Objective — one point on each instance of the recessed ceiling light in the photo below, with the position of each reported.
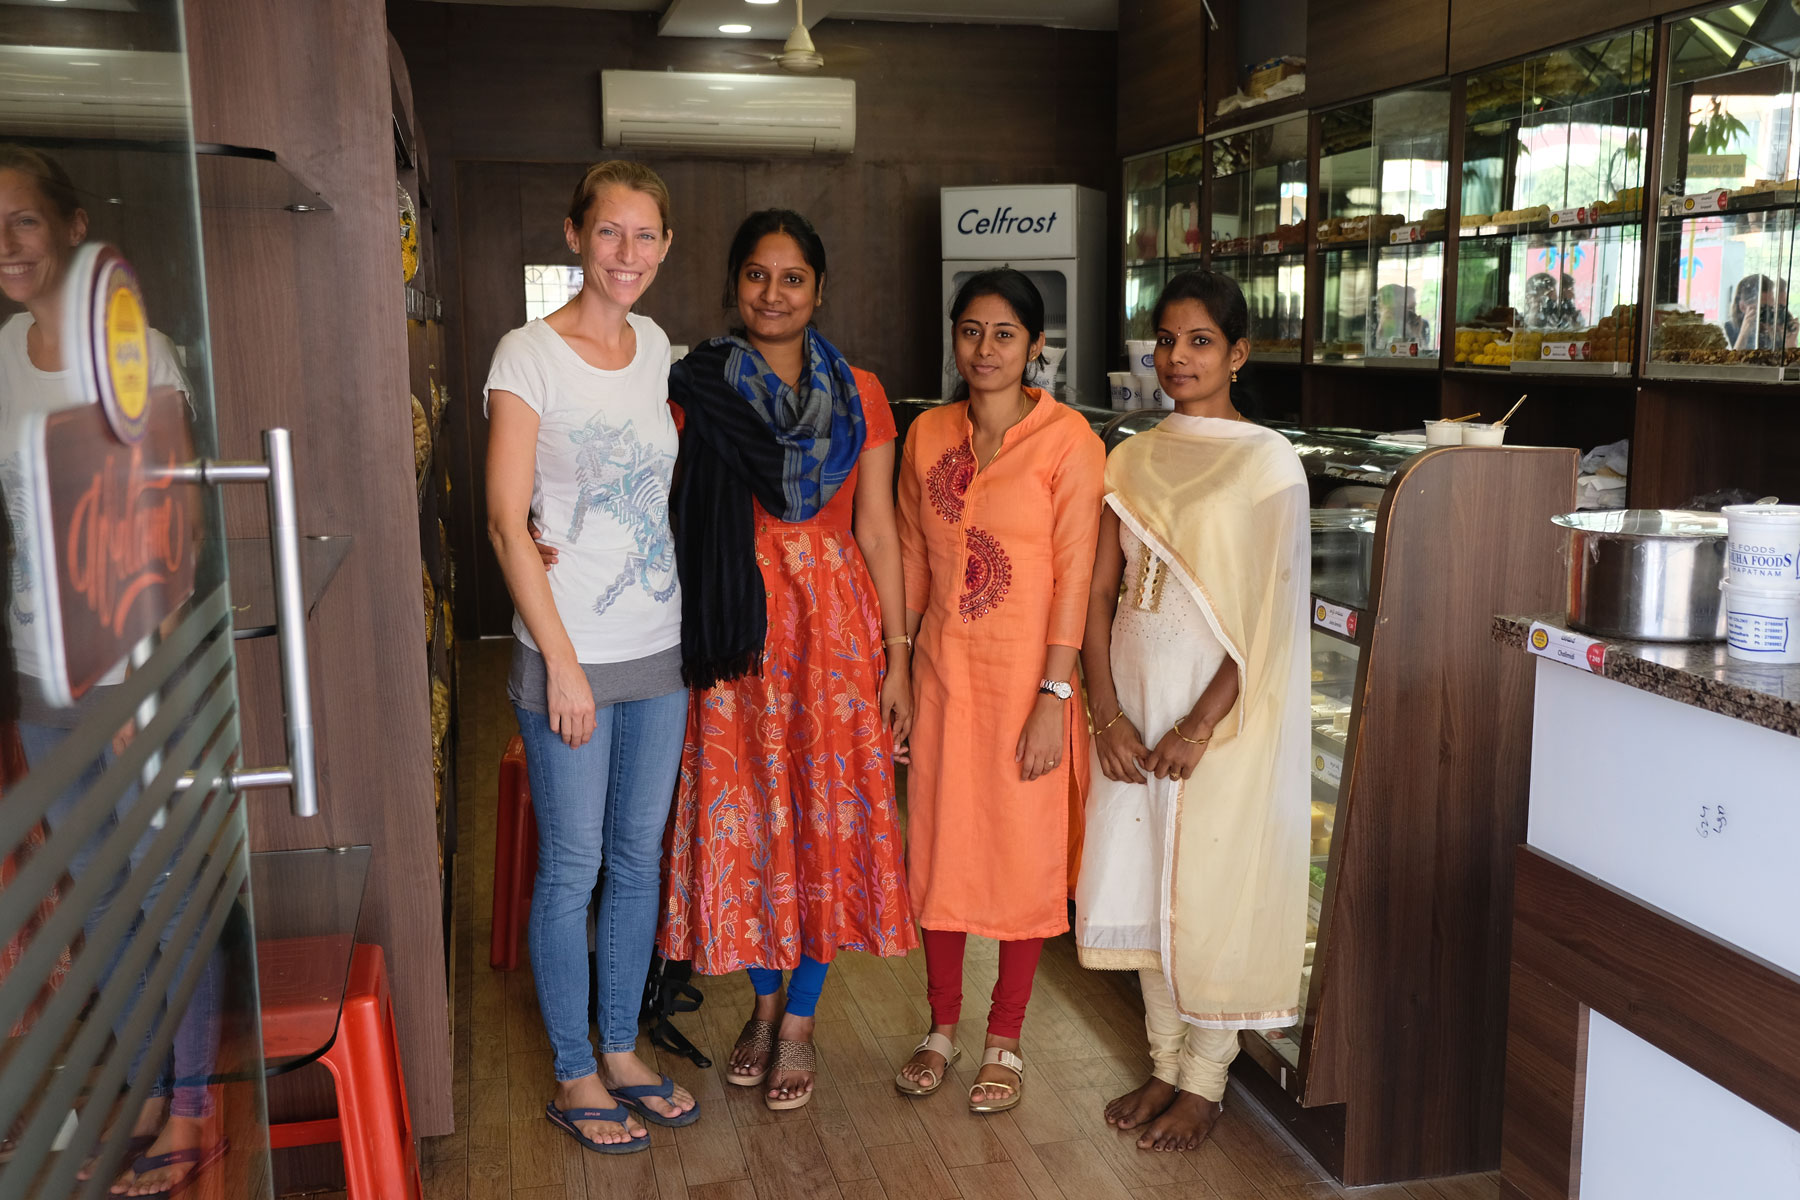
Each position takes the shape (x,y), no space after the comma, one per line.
(761,1)
(734,29)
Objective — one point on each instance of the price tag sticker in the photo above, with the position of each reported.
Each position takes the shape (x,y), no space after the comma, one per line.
(1335,617)
(1567,351)
(1403,234)
(1271,247)
(1573,649)
(1569,216)
(1327,768)
(1705,202)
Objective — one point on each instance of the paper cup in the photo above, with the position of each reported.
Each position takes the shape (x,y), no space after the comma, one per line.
(1762,624)
(1123,389)
(1763,546)
(1142,356)
(1150,393)
(1474,433)
(1443,433)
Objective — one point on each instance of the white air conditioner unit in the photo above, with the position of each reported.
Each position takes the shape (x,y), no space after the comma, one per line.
(727,113)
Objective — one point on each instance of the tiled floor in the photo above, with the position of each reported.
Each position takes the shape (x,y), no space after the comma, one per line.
(859,1139)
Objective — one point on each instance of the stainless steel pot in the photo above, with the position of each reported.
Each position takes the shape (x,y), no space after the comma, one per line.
(1647,574)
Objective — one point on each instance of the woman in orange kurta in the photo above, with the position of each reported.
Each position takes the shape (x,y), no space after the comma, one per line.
(999,511)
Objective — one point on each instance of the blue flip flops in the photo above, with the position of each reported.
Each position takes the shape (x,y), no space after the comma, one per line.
(633,1098)
(564,1119)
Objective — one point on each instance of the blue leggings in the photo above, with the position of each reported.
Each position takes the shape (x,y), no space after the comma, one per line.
(804,985)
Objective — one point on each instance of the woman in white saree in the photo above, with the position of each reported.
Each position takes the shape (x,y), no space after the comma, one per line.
(1194,868)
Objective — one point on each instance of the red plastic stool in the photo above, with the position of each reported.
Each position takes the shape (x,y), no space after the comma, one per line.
(515,858)
(373,1124)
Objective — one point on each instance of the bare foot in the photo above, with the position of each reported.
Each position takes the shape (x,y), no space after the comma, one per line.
(746,1061)
(995,1073)
(628,1070)
(1145,1103)
(1184,1125)
(929,1062)
(791,1085)
(589,1092)
(181,1133)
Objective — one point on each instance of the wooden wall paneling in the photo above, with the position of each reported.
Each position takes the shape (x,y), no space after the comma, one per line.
(1558,411)
(1691,440)
(308,332)
(1688,993)
(1546,1087)
(491,301)
(1364,398)
(1433,805)
(1163,67)
(1354,49)
(1485,33)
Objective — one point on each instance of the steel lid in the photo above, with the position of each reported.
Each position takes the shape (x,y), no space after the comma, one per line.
(1647,522)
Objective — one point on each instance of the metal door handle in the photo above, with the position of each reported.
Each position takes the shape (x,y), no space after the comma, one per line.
(277,473)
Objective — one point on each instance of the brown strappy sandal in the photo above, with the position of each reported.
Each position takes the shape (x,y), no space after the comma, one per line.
(758,1036)
(793,1056)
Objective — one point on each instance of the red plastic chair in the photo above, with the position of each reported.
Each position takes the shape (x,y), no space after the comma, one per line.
(373,1125)
(515,859)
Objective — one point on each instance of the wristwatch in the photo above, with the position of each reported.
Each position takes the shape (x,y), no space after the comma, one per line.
(1056,687)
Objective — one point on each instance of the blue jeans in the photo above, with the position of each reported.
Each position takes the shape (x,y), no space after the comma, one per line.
(615,793)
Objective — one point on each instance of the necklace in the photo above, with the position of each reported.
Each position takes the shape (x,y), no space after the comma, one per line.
(1000,443)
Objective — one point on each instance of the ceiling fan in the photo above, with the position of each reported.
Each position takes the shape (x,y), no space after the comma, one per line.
(798,54)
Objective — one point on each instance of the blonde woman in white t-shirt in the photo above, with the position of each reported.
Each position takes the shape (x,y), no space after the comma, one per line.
(582,446)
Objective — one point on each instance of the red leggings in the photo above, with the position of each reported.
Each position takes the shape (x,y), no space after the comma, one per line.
(1012,991)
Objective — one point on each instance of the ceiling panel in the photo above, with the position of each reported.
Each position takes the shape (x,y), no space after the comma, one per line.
(771,22)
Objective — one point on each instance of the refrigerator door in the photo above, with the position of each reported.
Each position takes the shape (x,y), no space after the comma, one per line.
(1056,281)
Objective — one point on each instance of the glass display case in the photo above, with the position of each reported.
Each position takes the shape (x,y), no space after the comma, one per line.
(1258,232)
(1145,217)
(1725,240)
(1185,168)
(1551,239)
(1346,207)
(1411,182)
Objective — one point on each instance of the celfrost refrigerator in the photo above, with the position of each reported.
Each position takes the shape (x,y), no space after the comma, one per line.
(1056,234)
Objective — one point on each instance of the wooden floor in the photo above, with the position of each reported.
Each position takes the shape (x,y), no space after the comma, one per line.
(858,1139)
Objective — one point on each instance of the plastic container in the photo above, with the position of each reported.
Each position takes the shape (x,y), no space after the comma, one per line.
(1122,386)
(1141,354)
(1150,393)
(1763,546)
(1762,624)
(1443,433)
(1475,433)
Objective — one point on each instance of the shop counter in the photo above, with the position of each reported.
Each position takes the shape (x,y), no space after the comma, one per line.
(1653,1033)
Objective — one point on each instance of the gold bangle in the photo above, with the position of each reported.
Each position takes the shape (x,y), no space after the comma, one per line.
(897,639)
(1111,723)
(1176,730)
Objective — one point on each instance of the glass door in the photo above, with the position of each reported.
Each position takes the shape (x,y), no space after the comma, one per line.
(128,988)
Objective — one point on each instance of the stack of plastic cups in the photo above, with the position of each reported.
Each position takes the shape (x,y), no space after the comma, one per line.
(1762,582)
(1141,355)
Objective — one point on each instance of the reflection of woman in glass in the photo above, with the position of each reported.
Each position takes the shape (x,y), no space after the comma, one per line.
(42,224)
(1397,319)
(1759,317)
(1193,871)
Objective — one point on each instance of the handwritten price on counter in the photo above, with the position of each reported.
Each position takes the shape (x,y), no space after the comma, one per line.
(1712,820)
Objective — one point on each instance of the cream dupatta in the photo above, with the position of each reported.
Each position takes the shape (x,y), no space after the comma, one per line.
(1223,504)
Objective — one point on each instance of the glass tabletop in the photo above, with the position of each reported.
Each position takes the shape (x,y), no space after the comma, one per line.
(306,904)
(252,578)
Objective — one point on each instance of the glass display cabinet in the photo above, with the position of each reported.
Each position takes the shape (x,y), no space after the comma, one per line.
(1146,221)
(1346,207)
(1411,163)
(1725,240)
(1552,214)
(1258,232)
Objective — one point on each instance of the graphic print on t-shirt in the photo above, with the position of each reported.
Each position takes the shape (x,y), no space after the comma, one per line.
(626,479)
(24,544)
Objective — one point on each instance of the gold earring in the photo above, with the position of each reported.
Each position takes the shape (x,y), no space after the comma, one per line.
(1234,377)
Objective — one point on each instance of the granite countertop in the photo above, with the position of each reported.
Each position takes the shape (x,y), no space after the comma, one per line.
(1700,674)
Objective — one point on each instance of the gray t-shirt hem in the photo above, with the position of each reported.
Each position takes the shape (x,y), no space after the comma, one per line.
(613,683)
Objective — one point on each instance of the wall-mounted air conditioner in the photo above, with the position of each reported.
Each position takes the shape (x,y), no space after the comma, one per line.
(727,113)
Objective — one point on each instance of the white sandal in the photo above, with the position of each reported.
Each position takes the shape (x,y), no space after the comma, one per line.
(997,1055)
(938,1044)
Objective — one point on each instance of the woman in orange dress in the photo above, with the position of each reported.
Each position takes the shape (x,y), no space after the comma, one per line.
(785,846)
(999,511)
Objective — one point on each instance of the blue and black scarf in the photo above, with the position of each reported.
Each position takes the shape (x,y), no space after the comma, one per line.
(749,436)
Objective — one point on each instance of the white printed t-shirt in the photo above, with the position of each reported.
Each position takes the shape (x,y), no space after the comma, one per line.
(25,389)
(606,449)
